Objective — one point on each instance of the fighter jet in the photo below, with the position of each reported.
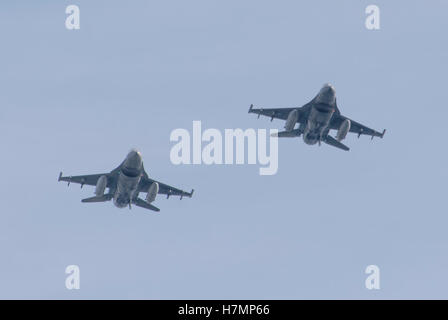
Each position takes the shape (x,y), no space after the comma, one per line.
(316,119)
(125,183)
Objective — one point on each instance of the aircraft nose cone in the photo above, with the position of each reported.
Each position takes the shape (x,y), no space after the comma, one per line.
(134,159)
(329,87)
(327,94)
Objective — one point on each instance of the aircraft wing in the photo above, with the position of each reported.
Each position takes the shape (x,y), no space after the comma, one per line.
(355,127)
(89,180)
(279,113)
(146,182)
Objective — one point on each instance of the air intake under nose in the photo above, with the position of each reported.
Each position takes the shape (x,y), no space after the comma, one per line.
(323,107)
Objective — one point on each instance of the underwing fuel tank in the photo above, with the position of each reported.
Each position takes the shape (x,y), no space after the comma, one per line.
(152,192)
(101,186)
(343,130)
(291,120)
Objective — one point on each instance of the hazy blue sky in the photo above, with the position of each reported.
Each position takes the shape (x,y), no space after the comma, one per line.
(77,101)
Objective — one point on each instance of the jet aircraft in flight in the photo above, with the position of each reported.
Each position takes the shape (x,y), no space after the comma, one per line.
(316,119)
(125,183)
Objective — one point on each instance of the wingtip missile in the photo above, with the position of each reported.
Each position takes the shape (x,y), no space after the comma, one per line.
(68,179)
(186,194)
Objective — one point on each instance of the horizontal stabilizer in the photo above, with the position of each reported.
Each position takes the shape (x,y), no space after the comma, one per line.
(102,198)
(287,134)
(143,204)
(335,143)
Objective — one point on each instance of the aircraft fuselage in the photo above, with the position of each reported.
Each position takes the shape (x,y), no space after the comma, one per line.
(320,115)
(128,180)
